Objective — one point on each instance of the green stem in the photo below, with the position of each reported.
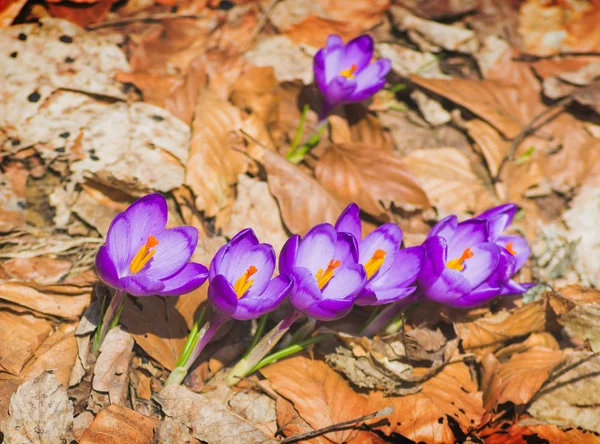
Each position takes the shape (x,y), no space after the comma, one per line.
(296,155)
(111,317)
(260,328)
(192,340)
(300,130)
(301,334)
(295,348)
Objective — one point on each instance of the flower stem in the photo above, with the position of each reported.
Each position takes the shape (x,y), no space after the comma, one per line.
(264,346)
(260,328)
(296,153)
(201,339)
(290,350)
(387,316)
(300,334)
(372,316)
(111,317)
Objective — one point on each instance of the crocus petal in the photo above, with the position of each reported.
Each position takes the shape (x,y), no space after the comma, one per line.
(349,221)
(403,271)
(253,307)
(388,238)
(329,309)
(499,219)
(519,246)
(482,264)
(105,268)
(306,291)
(346,248)
(372,75)
(317,248)
(140,285)
(287,257)
(319,70)
(513,287)
(480,295)
(435,261)
(261,256)
(129,231)
(334,57)
(186,280)
(387,296)
(338,90)
(359,51)
(468,234)
(222,296)
(174,249)
(449,288)
(444,228)
(345,284)
(230,254)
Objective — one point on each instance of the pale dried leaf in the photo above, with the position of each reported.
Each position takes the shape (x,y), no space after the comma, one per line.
(208,421)
(433,112)
(289,61)
(119,425)
(373,177)
(449,181)
(572,400)
(40,412)
(171,431)
(112,365)
(406,61)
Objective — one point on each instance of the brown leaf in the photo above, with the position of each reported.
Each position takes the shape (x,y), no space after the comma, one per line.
(320,395)
(40,413)
(572,399)
(9,10)
(12,214)
(291,423)
(491,331)
(8,385)
(20,336)
(171,431)
(373,177)
(423,416)
(84,14)
(56,354)
(519,379)
(111,373)
(449,180)
(302,200)
(521,433)
(213,166)
(119,425)
(208,421)
(544,339)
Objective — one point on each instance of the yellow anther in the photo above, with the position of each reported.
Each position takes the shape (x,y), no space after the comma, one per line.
(243,284)
(374,264)
(458,264)
(323,278)
(143,256)
(349,73)
(509,247)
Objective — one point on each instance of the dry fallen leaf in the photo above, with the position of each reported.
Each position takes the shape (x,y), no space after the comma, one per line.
(208,421)
(119,425)
(373,177)
(111,372)
(489,332)
(449,181)
(320,395)
(528,431)
(424,416)
(519,379)
(291,423)
(572,399)
(170,431)
(40,413)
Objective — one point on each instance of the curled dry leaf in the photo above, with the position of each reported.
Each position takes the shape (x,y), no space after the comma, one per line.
(213,165)
(112,366)
(302,200)
(57,354)
(40,413)
(449,181)
(491,331)
(12,196)
(208,421)
(519,379)
(572,399)
(373,177)
(544,339)
(424,416)
(20,336)
(119,425)
(320,395)
(529,430)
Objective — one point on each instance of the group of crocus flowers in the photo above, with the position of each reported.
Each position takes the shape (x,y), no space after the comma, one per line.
(322,275)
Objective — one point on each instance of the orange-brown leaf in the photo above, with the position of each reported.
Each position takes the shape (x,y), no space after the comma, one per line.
(119,425)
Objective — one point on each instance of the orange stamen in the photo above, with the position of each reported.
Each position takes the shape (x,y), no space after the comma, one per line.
(324,278)
(509,247)
(143,256)
(242,285)
(374,264)
(349,73)
(458,264)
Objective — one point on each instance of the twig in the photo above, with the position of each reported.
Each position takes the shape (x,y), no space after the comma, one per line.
(263,21)
(529,128)
(568,368)
(384,412)
(150,19)
(535,58)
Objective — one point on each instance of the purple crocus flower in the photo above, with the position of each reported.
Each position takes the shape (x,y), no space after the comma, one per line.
(240,278)
(390,271)
(344,73)
(325,271)
(469,263)
(143,258)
